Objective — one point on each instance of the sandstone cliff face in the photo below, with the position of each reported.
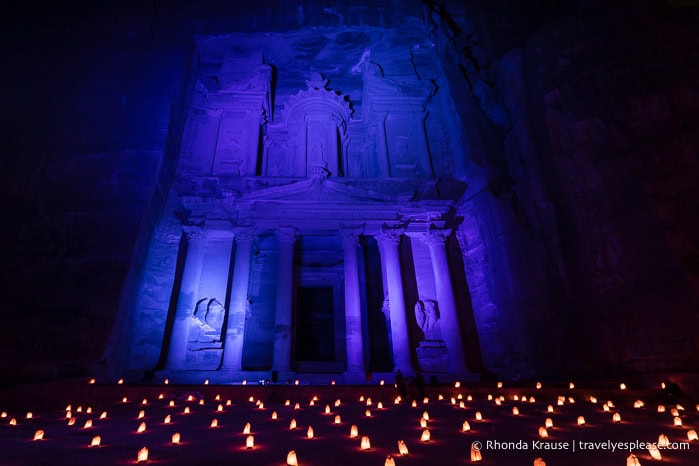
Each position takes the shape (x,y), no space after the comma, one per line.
(598,159)
(581,118)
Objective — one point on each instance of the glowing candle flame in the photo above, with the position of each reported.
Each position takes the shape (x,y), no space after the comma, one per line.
(214,423)
(457,384)
(244,382)
(622,386)
(654,452)
(425,437)
(354,431)
(96,441)
(142,455)
(309,432)
(176,438)
(249,442)
(426,416)
(581,420)
(246,429)
(91,381)
(499,384)
(166,381)
(543,433)
(538,385)
(201,402)
(632,460)
(229,402)
(274,415)
(292,424)
(144,402)
(571,385)
(402,448)
(549,423)
(291,459)
(605,408)
(87,424)
(124,400)
(120,381)
(366,444)
(167,419)
(39,435)
(616,417)
(338,419)
(68,415)
(479,416)
(440,397)
(141,427)
(475,455)
(465,427)
(161,396)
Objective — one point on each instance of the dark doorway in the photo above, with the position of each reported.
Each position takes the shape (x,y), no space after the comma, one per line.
(315,324)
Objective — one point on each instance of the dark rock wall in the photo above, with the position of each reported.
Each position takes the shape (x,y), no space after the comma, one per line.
(581,117)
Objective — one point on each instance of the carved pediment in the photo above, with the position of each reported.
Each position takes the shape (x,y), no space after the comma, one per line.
(326,190)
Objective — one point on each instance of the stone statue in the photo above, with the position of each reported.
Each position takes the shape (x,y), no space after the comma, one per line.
(427,316)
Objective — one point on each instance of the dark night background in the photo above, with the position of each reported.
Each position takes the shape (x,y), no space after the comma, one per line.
(583,114)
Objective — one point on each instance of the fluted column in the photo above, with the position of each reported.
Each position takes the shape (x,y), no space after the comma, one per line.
(235,331)
(282,317)
(449,319)
(353,305)
(187,298)
(388,242)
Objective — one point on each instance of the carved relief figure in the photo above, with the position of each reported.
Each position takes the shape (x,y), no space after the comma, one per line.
(427,315)
(207,321)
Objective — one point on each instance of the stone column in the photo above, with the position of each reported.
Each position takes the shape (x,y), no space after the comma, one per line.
(235,331)
(449,319)
(353,305)
(187,298)
(282,317)
(388,243)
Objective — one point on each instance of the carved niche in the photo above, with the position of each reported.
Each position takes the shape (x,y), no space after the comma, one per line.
(317,121)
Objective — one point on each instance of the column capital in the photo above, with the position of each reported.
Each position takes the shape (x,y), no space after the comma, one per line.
(387,237)
(436,237)
(351,233)
(244,233)
(287,234)
(194,233)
